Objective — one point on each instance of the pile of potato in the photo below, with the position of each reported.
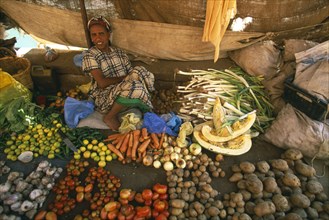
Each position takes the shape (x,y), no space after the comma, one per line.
(284,189)
(164,101)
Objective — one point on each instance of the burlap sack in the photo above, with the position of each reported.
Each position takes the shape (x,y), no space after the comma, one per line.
(260,59)
(293,129)
(292,46)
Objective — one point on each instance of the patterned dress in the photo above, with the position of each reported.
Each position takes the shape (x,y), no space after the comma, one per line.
(132,91)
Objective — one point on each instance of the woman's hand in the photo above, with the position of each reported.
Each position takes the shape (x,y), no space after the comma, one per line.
(104,82)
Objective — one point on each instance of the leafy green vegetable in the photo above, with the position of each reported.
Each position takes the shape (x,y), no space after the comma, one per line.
(16,114)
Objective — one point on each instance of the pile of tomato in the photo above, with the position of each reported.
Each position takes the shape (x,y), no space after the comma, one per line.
(101,191)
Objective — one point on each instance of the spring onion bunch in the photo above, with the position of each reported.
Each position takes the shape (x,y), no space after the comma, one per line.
(239,93)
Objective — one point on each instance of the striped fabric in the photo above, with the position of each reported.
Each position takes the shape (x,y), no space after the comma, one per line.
(138,83)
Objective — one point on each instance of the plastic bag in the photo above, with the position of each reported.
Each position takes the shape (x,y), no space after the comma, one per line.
(130,122)
(50,55)
(11,89)
(74,110)
(156,124)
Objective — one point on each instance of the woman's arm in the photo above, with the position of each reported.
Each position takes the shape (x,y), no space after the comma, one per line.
(104,82)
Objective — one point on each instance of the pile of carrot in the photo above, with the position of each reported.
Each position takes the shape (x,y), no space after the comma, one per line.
(132,146)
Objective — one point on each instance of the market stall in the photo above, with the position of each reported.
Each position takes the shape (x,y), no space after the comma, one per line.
(237,138)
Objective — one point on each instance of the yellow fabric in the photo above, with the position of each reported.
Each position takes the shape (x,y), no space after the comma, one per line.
(218,15)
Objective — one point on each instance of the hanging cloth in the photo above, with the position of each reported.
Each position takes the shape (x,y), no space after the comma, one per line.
(218,15)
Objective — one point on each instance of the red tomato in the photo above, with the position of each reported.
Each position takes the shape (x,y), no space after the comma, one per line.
(126,209)
(89,188)
(160,188)
(80,196)
(163,196)
(112,215)
(160,205)
(123,201)
(161,217)
(125,193)
(148,202)
(143,211)
(155,196)
(139,198)
(111,206)
(155,213)
(103,213)
(147,194)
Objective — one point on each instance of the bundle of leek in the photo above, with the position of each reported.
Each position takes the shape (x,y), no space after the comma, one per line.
(239,93)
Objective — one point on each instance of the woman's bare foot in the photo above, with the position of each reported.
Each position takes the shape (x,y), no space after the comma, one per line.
(112,122)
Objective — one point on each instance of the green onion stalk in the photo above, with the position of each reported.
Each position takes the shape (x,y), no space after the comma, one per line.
(239,92)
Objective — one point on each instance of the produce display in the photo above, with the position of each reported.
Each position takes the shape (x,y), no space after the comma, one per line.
(239,92)
(86,186)
(223,136)
(23,196)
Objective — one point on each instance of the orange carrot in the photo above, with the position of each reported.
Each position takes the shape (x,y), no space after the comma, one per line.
(124,145)
(143,154)
(114,150)
(162,139)
(131,138)
(112,137)
(141,139)
(144,133)
(139,158)
(144,145)
(130,145)
(155,140)
(119,141)
(136,134)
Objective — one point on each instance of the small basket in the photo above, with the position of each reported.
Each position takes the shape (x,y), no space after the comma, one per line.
(18,67)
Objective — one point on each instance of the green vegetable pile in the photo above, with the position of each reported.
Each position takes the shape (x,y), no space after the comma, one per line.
(16,115)
(239,92)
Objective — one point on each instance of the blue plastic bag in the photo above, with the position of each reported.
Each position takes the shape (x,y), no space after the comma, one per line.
(74,110)
(168,123)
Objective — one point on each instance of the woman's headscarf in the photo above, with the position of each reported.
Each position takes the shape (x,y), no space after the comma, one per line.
(101,21)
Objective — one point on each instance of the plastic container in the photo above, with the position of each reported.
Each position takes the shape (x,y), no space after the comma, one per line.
(310,105)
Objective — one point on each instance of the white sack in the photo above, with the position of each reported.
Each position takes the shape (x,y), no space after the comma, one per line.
(293,129)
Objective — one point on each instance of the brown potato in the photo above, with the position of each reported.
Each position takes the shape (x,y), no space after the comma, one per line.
(304,169)
(281,203)
(291,180)
(300,200)
(292,154)
(247,167)
(254,185)
(279,164)
(263,166)
(264,208)
(270,184)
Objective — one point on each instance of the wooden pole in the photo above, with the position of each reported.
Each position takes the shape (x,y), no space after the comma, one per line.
(85,21)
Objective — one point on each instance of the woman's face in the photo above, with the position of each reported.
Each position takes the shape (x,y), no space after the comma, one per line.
(100,37)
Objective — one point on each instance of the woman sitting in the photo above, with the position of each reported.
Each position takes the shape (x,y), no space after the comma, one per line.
(116,85)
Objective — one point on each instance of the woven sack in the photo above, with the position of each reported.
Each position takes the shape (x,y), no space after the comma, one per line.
(18,67)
